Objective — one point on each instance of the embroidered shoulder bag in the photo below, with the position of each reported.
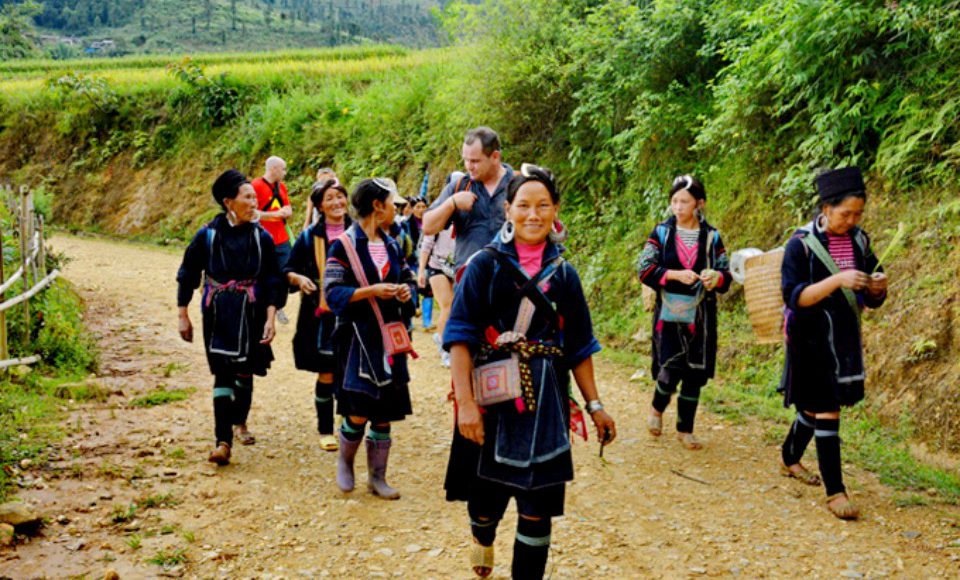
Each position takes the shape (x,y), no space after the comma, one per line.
(501,380)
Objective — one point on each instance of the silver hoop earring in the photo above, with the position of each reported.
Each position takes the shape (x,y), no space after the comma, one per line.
(506,232)
(699,214)
(558,233)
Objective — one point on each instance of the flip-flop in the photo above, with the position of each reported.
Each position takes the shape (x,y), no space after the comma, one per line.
(329,443)
(655,425)
(847,510)
(220,455)
(245,437)
(481,559)
(689,441)
(805,475)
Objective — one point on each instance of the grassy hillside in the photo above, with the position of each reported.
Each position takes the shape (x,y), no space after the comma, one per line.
(617,97)
(177,26)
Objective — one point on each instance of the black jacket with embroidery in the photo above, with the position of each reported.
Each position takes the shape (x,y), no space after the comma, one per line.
(823,340)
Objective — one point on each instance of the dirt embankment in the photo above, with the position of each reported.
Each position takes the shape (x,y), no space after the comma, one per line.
(650,509)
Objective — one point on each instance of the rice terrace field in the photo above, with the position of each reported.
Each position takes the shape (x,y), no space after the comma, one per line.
(24,79)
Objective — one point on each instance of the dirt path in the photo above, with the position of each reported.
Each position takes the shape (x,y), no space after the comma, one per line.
(275,511)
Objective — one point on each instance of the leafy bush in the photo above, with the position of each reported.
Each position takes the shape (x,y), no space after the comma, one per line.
(213,100)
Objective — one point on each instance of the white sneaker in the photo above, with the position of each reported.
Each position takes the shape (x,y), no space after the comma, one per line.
(445,359)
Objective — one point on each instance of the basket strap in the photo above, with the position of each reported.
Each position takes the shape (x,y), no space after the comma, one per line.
(824,256)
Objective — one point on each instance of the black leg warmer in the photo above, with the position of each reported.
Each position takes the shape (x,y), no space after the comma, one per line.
(799,436)
(243,398)
(687,405)
(827,433)
(323,401)
(223,413)
(531,548)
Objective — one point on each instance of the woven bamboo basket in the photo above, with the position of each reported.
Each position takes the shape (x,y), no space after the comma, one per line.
(761,287)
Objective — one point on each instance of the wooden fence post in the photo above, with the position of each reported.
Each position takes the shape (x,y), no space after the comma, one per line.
(42,253)
(24,251)
(4,352)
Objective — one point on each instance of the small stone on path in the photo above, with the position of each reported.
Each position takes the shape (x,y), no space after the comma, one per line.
(19,515)
(6,534)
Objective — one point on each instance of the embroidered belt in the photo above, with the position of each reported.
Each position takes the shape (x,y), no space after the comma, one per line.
(214,288)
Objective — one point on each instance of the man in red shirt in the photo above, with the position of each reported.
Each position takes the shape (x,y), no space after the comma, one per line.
(275,209)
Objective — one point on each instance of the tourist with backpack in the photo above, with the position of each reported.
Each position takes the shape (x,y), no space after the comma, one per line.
(235,259)
(829,274)
(474,203)
(685,262)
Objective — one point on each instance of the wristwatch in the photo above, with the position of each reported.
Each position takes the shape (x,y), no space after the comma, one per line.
(594,406)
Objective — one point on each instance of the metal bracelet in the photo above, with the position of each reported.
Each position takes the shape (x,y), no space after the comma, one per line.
(594,406)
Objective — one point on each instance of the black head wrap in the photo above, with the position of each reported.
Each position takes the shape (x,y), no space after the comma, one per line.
(691,184)
(531,172)
(227,185)
(835,185)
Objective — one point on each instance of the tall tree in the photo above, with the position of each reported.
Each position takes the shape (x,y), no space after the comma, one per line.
(16,30)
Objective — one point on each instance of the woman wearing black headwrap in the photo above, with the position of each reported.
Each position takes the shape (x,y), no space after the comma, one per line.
(242,291)
(829,275)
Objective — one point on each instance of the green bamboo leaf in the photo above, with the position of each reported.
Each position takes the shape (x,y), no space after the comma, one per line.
(893,245)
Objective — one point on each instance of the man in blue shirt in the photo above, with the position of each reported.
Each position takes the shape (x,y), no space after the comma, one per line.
(474,203)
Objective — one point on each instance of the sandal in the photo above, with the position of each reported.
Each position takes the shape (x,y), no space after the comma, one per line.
(481,559)
(244,437)
(329,443)
(803,474)
(689,441)
(220,455)
(845,510)
(655,424)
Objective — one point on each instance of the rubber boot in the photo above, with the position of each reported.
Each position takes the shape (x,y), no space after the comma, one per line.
(348,452)
(377,454)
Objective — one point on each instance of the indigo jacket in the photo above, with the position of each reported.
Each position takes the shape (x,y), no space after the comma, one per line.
(313,341)
(679,347)
(233,317)
(365,368)
(525,450)
(824,352)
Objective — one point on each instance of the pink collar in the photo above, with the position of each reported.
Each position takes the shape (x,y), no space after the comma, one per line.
(530,256)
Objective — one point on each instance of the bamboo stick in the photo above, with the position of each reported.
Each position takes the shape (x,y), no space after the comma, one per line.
(29,360)
(26,296)
(25,264)
(4,353)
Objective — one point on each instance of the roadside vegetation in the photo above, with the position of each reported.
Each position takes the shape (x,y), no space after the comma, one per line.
(33,399)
